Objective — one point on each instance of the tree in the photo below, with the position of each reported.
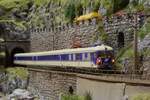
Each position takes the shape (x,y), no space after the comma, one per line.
(119,4)
(70,12)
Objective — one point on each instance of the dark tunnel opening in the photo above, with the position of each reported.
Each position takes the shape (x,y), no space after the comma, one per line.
(120,40)
(13,52)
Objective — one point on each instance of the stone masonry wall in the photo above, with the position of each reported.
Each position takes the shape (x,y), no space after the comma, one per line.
(50,85)
(84,33)
(62,36)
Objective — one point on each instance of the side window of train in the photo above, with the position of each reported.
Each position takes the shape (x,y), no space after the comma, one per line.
(78,56)
(64,57)
(35,58)
(70,57)
(89,56)
(93,56)
(74,57)
(85,56)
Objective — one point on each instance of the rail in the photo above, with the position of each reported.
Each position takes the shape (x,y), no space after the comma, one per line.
(118,74)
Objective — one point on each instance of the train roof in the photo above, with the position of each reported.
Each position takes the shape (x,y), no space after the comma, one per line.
(67,51)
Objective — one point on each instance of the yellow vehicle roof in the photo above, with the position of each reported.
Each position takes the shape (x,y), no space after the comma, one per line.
(88,16)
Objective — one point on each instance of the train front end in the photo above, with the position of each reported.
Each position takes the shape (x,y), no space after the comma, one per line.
(105,58)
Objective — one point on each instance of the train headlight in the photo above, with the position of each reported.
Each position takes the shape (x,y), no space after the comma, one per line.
(113,60)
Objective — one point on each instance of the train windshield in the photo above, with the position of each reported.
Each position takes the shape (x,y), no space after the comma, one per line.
(105,58)
(105,54)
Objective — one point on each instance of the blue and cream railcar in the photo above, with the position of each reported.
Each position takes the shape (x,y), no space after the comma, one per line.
(79,57)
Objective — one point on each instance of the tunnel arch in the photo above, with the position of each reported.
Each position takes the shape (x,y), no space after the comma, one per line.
(13,52)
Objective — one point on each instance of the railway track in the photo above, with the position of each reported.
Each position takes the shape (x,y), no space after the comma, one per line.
(92,71)
(105,75)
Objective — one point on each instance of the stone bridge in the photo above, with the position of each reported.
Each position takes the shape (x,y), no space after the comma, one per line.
(50,84)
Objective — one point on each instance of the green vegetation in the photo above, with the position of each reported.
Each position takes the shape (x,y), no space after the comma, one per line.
(68,11)
(126,52)
(10,4)
(18,24)
(2,54)
(87,96)
(18,71)
(41,2)
(146,52)
(137,5)
(103,35)
(144,96)
(119,5)
(72,97)
(145,29)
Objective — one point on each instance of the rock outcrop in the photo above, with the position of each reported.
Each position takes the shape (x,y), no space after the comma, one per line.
(145,43)
(21,94)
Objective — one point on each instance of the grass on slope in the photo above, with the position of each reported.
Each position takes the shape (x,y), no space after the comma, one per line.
(41,2)
(9,4)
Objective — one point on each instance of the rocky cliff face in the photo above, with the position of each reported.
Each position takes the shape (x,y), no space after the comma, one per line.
(145,43)
(13,84)
(14,19)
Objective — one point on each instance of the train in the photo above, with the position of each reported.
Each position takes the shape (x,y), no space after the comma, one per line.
(95,57)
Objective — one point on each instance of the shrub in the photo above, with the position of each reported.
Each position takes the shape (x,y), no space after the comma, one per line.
(19,72)
(145,96)
(72,97)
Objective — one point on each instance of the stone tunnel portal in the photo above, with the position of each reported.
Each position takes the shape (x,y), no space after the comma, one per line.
(13,52)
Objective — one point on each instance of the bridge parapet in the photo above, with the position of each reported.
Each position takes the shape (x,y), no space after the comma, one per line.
(51,83)
(105,75)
